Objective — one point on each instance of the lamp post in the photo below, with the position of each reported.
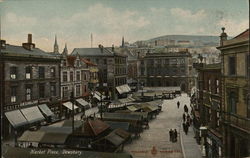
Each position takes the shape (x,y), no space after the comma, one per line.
(73,109)
(203,135)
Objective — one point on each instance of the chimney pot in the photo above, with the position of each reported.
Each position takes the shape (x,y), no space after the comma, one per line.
(29,38)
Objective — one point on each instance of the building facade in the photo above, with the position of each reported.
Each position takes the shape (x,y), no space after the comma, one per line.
(112,67)
(29,77)
(208,111)
(235,94)
(166,69)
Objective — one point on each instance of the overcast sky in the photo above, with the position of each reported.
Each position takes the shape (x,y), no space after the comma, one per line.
(108,20)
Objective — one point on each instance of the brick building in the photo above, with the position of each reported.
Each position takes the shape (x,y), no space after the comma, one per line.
(29,77)
(208,111)
(167,69)
(112,67)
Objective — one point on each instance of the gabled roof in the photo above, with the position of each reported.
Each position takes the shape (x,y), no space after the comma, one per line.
(244,34)
(94,127)
(71,60)
(21,51)
(92,52)
(88,62)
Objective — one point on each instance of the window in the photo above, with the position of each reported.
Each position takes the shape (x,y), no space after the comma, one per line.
(78,76)
(71,76)
(53,72)
(77,90)
(85,88)
(53,89)
(13,72)
(232,102)
(41,72)
(41,90)
(232,65)
(28,91)
(13,93)
(77,63)
(64,62)
(217,86)
(65,77)
(209,85)
(28,72)
(65,92)
(105,61)
(97,61)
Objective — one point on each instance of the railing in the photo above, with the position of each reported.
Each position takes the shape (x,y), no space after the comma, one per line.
(239,121)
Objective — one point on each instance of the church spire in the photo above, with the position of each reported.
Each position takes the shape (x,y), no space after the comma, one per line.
(65,50)
(56,49)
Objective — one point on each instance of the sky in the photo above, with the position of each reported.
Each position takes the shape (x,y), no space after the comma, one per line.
(73,21)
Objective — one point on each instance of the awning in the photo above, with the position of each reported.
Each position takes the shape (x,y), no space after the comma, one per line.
(51,129)
(32,114)
(69,105)
(132,108)
(97,96)
(123,89)
(115,125)
(54,138)
(31,136)
(119,90)
(45,109)
(16,118)
(82,102)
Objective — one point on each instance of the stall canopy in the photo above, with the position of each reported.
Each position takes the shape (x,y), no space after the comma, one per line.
(69,105)
(31,136)
(83,102)
(54,138)
(115,125)
(123,89)
(16,118)
(32,114)
(46,110)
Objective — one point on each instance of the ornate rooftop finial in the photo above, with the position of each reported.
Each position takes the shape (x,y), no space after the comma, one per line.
(56,49)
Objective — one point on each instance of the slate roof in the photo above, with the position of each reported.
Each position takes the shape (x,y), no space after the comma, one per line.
(92,52)
(20,51)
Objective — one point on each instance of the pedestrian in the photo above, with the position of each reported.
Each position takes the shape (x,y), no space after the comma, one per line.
(184,117)
(170,135)
(184,127)
(178,104)
(175,135)
(185,108)
(187,126)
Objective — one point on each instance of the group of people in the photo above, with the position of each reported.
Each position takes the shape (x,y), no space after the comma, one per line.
(173,135)
(187,121)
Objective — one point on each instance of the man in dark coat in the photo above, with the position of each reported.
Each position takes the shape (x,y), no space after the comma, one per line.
(175,135)
(171,135)
(178,104)
(185,108)
(184,117)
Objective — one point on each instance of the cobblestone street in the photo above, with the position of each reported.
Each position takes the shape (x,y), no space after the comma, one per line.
(154,142)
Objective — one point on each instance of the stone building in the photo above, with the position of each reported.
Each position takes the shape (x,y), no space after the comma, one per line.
(167,69)
(29,77)
(208,111)
(112,67)
(235,94)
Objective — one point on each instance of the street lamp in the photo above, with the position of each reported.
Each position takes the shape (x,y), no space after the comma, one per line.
(203,135)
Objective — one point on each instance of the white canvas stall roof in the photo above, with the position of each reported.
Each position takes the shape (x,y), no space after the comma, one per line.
(119,89)
(16,118)
(32,114)
(31,136)
(82,102)
(97,96)
(45,109)
(69,105)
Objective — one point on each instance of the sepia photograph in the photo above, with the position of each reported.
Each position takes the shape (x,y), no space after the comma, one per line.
(124,79)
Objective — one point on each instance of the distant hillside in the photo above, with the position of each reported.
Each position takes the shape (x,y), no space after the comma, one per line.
(194,40)
(206,39)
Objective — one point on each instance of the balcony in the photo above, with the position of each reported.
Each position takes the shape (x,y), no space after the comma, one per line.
(237,121)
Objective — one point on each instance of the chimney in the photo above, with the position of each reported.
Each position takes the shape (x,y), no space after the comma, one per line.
(29,38)
(101,47)
(113,48)
(223,36)
(3,44)
(29,45)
